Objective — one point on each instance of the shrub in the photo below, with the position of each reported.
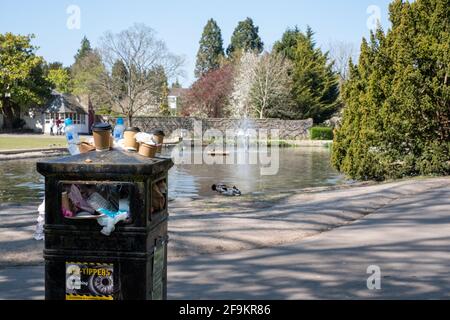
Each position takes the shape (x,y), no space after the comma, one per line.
(396,120)
(19,123)
(321,133)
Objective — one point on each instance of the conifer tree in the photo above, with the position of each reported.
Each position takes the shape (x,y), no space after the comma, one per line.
(119,75)
(245,38)
(397,117)
(84,50)
(315,89)
(210,52)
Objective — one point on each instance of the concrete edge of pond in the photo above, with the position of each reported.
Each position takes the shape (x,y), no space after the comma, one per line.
(6,155)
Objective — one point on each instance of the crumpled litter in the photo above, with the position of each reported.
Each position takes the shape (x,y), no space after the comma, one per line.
(120,144)
(39,233)
(146,138)
(78,200)
(67,213)
(117,145)
(96,201)
(110,219)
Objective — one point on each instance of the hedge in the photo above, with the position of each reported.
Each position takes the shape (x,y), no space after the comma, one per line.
(321,133)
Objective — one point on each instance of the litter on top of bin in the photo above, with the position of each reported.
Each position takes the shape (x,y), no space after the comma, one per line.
(145,144)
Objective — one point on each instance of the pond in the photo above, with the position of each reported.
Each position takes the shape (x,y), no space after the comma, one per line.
(298,168)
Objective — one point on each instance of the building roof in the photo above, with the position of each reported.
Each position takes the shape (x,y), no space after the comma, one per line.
(177,92)
(64,103)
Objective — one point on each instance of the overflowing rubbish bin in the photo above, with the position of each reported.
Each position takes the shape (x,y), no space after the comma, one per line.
(106,226)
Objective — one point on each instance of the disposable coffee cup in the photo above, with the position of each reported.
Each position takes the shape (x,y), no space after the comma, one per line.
(102,136)
(130,139)
(65,204)
(159,138)
(147,150)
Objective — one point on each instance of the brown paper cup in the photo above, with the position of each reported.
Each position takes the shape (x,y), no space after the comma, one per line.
(159,140)
(65,204)
(147,150)
(102,140)
(130,141)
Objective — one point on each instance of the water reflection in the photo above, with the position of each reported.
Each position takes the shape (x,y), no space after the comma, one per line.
(299,168)
(19,182)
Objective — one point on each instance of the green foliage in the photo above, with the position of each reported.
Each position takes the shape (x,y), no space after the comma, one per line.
(85,81)
(210,52)
(22,78)
(18,123)
(119,75)
(315,89)
(321,133)
(245,38)
(176,84)
(159,81)
(288,43)
(164,109)
(86,72)
(84,50)
(397,117)
(60,79)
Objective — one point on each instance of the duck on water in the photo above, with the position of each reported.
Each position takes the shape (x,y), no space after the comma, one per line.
(226,190)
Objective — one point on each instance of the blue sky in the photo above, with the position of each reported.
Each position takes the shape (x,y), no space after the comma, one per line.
(180,23)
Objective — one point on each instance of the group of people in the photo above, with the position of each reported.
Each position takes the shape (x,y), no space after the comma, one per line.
(56,127)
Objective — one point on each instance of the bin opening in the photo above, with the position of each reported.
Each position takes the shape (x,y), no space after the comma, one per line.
(82,201)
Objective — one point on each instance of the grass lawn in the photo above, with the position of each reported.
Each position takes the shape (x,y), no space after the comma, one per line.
(10,142)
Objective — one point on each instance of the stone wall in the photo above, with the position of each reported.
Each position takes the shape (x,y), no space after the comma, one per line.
(288,129)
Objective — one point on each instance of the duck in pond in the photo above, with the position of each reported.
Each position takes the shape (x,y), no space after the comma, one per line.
(226,190)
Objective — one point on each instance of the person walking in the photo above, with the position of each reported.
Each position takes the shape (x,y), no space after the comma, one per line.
(52,124)
(58,127)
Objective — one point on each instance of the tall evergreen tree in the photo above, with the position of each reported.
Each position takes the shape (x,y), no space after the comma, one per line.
(176,84)
(397,117)
(211,51)
(84,49)
(119,75)
(288,43)
(245,38)
(316,86)
(315,89)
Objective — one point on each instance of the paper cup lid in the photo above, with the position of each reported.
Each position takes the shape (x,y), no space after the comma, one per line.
(158,132)
(101,127)
(133,129)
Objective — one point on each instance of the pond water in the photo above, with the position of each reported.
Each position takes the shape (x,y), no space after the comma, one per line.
(298,168)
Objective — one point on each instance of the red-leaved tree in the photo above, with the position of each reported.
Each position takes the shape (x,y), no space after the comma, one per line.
(209,95)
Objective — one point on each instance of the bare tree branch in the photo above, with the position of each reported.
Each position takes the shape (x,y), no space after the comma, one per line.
(143,55)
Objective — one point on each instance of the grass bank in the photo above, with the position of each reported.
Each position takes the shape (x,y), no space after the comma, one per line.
(13,142)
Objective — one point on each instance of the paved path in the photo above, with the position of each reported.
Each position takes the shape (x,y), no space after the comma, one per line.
(407,235)
(409,240)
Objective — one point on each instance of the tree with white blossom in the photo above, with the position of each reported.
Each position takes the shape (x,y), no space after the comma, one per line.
(244,78)
(262,86)
(270,91)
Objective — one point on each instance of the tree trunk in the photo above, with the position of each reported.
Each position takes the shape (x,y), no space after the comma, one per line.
(130,120)
(8,116)
(15,110)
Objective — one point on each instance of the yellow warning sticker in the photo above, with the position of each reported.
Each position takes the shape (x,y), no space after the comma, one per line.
(89,281)
(81,297)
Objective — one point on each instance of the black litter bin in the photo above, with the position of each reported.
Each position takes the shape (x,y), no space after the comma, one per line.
(84,258)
